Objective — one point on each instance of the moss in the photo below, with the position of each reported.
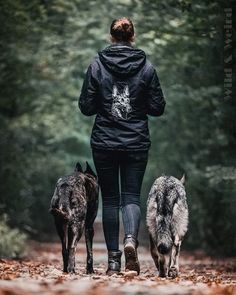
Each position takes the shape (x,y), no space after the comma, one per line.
(12,242)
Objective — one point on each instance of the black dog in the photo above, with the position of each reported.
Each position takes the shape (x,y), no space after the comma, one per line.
(74,206)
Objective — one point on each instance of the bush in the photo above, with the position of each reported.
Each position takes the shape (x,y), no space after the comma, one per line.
(12,242)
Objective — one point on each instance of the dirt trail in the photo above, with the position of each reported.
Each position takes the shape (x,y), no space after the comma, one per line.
(41,274)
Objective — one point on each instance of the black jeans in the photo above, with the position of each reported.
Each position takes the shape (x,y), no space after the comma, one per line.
(120,176)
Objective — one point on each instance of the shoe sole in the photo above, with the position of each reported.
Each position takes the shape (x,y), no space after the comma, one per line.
(131,258)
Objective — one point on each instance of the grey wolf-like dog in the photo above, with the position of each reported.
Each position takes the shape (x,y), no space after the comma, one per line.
(167,222)
(74,206)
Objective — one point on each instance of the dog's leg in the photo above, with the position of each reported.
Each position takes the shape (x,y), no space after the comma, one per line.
(163,265)
(89,233)
(174,263)
(72,243)
(91,214)
(153,251)
(177,257)
(62,232)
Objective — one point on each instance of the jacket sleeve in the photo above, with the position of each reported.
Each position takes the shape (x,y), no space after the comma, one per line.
(88,100)
(155,98)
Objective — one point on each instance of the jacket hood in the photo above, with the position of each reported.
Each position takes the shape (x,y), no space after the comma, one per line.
(122,59)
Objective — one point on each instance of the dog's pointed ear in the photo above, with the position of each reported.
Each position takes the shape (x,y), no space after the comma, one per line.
(78,167)
(114,91)
(126,90)
(183,179)
(89,170)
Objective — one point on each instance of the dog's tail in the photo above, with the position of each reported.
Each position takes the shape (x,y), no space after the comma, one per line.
(164,236)
(165,242)
(164,217)
(59,213)
(60,208)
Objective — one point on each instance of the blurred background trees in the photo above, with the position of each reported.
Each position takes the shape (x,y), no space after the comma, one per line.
(46,47)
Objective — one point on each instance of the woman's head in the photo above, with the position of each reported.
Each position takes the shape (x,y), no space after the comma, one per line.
(122,30)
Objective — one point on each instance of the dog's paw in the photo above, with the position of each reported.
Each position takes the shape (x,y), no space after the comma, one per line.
(89,270)
(162,274)
(173,272)
(71,269)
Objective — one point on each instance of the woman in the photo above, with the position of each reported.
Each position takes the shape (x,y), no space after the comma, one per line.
(121,87)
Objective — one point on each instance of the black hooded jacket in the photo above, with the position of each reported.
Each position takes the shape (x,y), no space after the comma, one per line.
(121,87)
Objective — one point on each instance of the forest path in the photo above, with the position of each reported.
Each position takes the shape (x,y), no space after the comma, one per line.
(41,274)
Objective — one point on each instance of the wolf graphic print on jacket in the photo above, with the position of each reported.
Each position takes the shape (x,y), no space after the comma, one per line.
(121,102)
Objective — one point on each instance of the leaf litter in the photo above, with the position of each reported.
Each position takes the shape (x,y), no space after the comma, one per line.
(41,273)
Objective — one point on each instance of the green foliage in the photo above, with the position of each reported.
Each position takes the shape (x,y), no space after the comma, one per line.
(12,242)
(46,47)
